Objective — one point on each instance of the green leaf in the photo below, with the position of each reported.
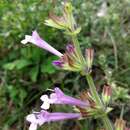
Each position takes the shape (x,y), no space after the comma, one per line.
(34,73)
(9,66)
(22,95)
(47,66)
(18,64)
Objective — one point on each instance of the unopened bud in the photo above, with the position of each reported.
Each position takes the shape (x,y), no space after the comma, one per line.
(68,7)
(120,124)
(106,94)
(89,57)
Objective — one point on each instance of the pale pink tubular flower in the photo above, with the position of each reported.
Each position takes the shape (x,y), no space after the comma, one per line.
(38,41)
(39,118)
(58,97)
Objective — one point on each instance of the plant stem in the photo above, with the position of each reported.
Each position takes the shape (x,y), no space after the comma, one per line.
(107,123)
(93,90)
(115,49)
(105,119)
(77,46)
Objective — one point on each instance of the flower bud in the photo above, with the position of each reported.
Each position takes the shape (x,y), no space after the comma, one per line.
(64,22)
(59,22)
(68,8)
(89,58)
(106,94)
(120,124)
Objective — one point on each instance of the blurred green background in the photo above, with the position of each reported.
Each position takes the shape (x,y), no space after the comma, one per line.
(26,71)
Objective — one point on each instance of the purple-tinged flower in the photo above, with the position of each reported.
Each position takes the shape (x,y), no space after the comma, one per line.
(70,60)
(70,48)
(63,62)
(58,63)
(36,39)
(58,97)
(67,61)
(39,118)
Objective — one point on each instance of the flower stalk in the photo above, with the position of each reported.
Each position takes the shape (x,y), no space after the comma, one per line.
(107,123)
(77,46)
(93,90)
(105,119)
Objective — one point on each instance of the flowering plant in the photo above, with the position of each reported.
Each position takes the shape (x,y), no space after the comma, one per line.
(90,103)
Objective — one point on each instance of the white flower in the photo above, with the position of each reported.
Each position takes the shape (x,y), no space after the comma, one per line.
(46,102)
(27,39)
(31,118)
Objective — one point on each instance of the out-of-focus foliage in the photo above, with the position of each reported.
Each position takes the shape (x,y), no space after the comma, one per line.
(26,71)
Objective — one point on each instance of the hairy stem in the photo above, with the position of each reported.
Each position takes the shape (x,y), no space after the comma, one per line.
(107,123)
(115,49)
(77,46)
(93,90)
(105,119)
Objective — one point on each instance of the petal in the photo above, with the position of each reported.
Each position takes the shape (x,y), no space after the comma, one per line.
(54,99)
(46,102)
(74,101)
(33,126)
(27,39)
(44,98)
(58,92)
(35,35)
(31,118)
(24,41)
(58,116)
(45,105)
(58,63)
(70,48)
(43,44)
